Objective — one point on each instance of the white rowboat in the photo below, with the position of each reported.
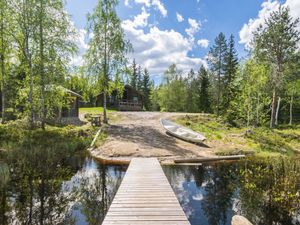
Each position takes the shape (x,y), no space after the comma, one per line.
(182,132)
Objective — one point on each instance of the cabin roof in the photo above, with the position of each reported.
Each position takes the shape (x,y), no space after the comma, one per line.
(50,87)
(128,87)
(132,88)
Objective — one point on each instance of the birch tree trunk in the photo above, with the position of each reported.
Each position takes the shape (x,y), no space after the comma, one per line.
(105,70)
(277,111)
(42,72)
(257,110)
(2,67)
(291,108)
(273,110)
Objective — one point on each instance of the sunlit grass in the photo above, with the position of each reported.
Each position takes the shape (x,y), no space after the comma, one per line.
(94,110)
(262,140)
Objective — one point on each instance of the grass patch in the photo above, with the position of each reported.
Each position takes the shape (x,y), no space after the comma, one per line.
(87,112)
(17,135)
(95,110)
(285,140)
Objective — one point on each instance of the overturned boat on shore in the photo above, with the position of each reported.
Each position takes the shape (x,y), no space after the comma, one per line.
(182,132)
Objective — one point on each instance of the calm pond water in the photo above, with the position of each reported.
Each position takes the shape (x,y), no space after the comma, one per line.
(265,193)
(46,188)
(73,190)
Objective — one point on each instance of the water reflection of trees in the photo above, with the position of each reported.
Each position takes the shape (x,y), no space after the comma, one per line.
(219,191)
(267,192)
(40,188)
(4,179)
(96,194)
(270,191)
(34,193)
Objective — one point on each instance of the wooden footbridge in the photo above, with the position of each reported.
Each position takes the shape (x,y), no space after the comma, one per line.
(145,197)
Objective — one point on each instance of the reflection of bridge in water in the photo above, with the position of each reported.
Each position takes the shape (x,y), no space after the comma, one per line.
(145,197)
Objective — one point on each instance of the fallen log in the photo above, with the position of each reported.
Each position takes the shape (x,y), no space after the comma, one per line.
(200,160)
(95,138)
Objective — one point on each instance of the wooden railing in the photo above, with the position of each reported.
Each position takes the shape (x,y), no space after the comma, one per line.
(130,106)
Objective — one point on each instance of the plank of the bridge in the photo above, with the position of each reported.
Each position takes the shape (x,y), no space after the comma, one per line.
(145,197)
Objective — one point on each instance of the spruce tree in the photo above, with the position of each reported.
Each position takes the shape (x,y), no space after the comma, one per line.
(134,75)
(192,94)
(230,70)
(146,88)
(204,97)
(217,63)
(139,79)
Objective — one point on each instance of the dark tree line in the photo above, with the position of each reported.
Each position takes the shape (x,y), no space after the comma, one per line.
(140,80)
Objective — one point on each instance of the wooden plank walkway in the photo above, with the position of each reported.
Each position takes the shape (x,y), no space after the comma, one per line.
(145,197)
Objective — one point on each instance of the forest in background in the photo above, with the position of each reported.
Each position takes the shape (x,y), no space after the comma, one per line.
(37,45)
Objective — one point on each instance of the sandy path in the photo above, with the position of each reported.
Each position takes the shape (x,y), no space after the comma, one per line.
(139,134)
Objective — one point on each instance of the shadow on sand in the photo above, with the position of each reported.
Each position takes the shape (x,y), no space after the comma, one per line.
(147,136)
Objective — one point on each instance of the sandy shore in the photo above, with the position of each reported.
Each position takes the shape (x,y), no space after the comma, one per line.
(140,134)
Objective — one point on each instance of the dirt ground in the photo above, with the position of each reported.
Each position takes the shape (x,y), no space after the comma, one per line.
(140,134)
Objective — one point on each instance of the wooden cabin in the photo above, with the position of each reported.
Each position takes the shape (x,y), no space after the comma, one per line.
(131,99)
(72,110)
(69,113)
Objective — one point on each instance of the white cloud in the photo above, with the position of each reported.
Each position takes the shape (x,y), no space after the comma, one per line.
(140,20)
(198,197)
(157,4)
(145,2)
(179,17)
(77,60)
(158,49)
(246,33)
(294,7)
(126,2)
(203,43)
(194,28)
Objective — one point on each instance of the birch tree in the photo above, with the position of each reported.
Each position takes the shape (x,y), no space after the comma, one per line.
(107,47)
(3,6)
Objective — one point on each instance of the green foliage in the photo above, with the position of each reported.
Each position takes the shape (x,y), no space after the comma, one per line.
(134,75)
(204,103)
(147,86)
(260,140)
(217,56)
(250,105)
(192,92)
(179,94)
(230,72)
(15,135)
(270,185)
(275,44)
(172,93)
(106,53)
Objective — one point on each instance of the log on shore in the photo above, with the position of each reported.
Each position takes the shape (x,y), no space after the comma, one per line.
(211,159)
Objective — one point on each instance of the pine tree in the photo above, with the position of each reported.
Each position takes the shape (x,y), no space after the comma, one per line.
(230,70)
(146,88)
(204,97)
(275,43)
(216,59)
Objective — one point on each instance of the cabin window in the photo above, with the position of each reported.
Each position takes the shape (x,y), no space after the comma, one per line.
(135,99)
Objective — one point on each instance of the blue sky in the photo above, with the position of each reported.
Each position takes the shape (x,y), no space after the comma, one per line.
(180,31)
